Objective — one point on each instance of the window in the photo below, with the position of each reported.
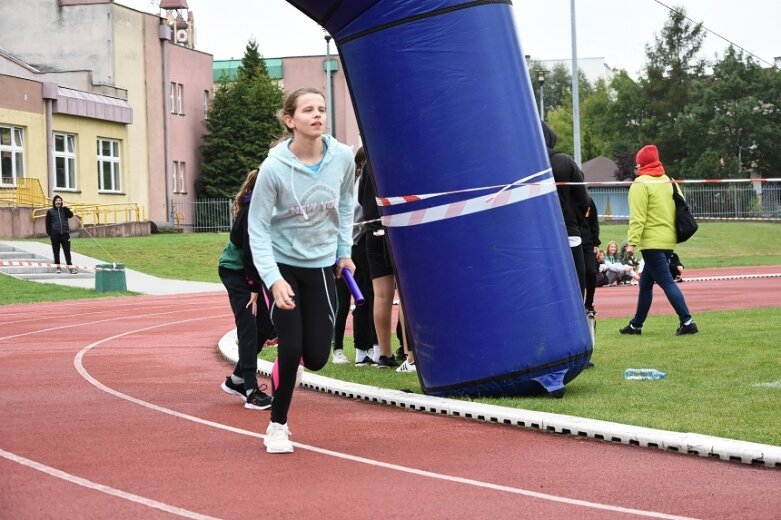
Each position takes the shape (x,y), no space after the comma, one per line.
(178,176)
(65,161)
(206,103)
(177,98)
(109,165)
(180,99)
(11,155)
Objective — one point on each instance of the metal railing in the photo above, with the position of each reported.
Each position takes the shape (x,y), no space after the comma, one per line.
(742,199)
(101,214)
(25,192)
(727,199)
(202,214)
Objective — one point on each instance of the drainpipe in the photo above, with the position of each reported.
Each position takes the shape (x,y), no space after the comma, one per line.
(165,34)
(49,97)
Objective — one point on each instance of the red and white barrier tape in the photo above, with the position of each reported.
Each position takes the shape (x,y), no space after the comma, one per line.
(466,207)
(392,201)
(16,263)
(403,199)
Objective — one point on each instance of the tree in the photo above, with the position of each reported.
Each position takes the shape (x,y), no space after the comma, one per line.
(731,125)
(241,125)
(671,71)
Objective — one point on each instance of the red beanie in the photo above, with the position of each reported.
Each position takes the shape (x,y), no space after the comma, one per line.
(648,154)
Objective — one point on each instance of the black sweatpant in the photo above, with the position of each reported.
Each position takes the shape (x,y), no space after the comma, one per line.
(252,331)
(304,332)
(590,265)
(65,242)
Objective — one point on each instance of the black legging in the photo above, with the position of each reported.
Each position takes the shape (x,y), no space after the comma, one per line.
(304,332)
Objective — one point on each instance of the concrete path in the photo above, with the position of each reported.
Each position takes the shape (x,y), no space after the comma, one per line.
(136,281)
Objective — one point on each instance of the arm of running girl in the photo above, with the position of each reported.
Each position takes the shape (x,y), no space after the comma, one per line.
(342,263)
(283,295)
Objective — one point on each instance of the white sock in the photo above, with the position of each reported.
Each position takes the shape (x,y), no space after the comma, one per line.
(360,354)
(237,380)
(249,391)
(688,322)
(376,353)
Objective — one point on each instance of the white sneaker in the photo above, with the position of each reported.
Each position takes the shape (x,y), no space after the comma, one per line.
(277,440)
(339,358)
(407,367)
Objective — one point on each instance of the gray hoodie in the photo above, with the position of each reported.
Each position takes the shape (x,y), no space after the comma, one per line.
(299,217)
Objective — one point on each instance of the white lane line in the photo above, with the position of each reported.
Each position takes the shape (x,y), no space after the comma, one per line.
(371,462)
(71,316)
(73,479)
(72,325)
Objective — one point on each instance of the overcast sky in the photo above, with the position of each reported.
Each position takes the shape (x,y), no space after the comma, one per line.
(616,30)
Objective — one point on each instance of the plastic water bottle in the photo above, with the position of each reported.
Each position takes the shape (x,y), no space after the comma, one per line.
(643,373)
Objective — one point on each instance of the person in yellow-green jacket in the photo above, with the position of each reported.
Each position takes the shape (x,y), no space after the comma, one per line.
(652,232)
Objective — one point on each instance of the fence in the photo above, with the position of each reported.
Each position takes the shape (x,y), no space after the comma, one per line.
(740,199)
(202,215)
(728,199)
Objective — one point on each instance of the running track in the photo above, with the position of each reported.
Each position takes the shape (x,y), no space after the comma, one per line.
(112,409)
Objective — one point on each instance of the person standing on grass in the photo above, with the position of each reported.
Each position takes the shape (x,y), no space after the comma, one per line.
(253,325)
(652,231)
(300,222)
(58,229)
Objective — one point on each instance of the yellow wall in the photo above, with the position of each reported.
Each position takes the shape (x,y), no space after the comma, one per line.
(35,164)
(130,75)
(87,132)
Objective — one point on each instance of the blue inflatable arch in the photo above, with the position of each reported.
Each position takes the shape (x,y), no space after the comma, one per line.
(447,115)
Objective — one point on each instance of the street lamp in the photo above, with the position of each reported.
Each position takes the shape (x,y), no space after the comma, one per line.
(328,98)
(541,83)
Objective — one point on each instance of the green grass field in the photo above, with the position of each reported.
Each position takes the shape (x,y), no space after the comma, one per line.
(719,381)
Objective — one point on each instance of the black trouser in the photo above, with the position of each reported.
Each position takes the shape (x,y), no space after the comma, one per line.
(590,264)
(65,242)
(364,335)
(304,332)
(252,331)
(577,257)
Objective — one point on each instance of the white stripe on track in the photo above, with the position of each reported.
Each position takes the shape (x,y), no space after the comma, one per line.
(73,479)
(344,456)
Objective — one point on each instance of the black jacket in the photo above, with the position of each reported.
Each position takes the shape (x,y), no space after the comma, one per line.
(589,228)
(57,220)
(573,199)
(367,198)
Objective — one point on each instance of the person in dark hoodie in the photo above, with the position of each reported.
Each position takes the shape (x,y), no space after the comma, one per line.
(253,324)
(573,198)
(589,232)
(652,231)
(58,229)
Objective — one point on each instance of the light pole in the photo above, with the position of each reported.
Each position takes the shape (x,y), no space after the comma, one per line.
(575,94)
(541,83)
(328,99)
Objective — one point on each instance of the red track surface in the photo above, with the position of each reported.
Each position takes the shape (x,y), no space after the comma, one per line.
(118,401)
